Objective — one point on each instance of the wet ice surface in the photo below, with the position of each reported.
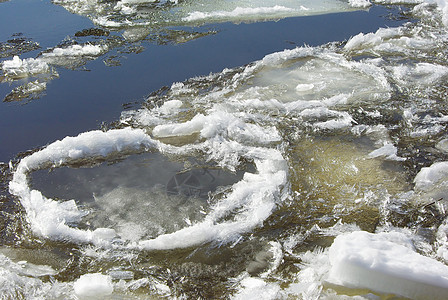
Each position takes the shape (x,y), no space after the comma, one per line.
(141,196)
(387,263)
(258,181)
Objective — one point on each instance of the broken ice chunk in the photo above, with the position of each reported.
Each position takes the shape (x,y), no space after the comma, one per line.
(386,263)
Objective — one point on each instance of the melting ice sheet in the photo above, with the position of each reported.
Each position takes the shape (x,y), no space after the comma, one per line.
(128,13)
(141,196)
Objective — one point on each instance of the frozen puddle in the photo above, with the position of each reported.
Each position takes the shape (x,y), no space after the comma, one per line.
(141,196)
(386,263)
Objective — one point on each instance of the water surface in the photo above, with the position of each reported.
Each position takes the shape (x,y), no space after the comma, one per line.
(181,150)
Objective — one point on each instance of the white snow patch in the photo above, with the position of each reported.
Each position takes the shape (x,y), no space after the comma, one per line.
(252,288)
(362,40)
(219,123)
(170,107)
(360,3)
(93,285)
(442,241)
(442,145)
(77,50)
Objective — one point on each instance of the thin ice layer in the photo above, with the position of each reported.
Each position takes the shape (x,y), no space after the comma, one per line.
(261,9)
(386,263)
(314,74)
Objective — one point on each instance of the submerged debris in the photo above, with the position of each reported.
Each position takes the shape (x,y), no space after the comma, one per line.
(92,32)
(17,46)
(31,90)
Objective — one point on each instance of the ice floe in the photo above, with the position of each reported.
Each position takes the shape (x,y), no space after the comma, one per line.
(19,68)
(255,195)
(93,285)
(428,177)
(50,218)
(388,151)
(386,263)
(137,13)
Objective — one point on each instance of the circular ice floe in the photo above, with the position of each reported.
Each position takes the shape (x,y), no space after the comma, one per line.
(254,196)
